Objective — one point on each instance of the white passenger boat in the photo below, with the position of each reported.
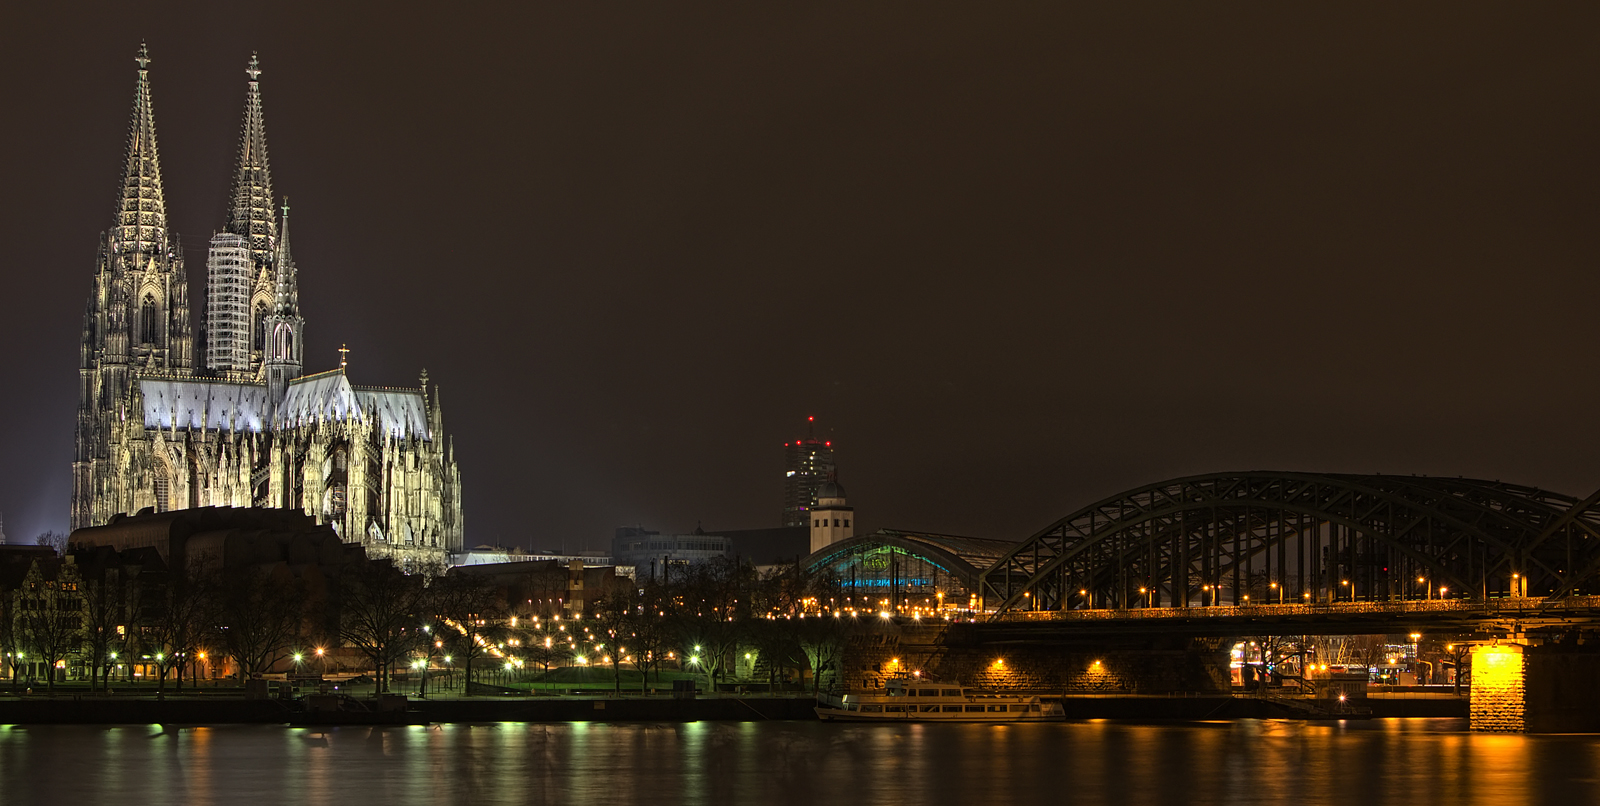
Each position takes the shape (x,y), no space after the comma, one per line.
(922,701)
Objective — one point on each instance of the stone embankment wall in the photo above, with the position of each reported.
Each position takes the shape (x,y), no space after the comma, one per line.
(942,653)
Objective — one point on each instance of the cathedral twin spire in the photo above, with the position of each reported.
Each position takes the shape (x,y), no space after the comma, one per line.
(252,301)
(250,213)
(142,207)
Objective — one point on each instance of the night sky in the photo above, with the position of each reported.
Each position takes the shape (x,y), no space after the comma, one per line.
(1013,257)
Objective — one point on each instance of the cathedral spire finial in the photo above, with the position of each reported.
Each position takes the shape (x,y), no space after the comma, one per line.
(250,212)
(344,356)
(142,210)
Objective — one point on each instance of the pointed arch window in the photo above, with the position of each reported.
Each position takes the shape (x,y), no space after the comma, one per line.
(149,320)
(163,485)
(261,327)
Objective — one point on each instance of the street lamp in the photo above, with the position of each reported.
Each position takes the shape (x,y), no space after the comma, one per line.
(1275,587)
(1346,582)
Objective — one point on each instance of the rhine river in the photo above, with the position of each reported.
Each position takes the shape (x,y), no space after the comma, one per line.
(1098,762)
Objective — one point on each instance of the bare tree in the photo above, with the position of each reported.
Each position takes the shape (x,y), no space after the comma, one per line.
(710,604)
(653,632)
(472,615)
(57,541)
(823,640)
(106,596)
(184,614)
(546,647)
(50,614)
(380,613)
(261,618)
(11,651)
(614,615)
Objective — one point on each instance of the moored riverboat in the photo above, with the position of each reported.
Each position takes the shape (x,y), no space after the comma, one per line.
(925,701)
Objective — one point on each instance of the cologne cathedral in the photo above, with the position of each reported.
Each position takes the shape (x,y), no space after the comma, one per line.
(171,419)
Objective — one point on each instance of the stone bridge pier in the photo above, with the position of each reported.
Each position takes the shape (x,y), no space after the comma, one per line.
(1516,688)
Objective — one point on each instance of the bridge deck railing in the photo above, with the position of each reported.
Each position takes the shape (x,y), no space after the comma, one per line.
(1510,607)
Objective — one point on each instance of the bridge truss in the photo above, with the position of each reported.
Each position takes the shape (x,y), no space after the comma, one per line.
(1299,538)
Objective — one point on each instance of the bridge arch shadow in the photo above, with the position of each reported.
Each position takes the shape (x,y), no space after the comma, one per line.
(1297,538)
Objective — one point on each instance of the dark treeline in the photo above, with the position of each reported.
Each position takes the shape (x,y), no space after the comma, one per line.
(96,614)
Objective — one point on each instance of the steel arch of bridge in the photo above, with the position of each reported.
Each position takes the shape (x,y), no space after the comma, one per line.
(1299,538)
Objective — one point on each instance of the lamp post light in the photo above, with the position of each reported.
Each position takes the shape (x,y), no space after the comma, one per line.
(1205,596)
(1279,589)
(1346,583)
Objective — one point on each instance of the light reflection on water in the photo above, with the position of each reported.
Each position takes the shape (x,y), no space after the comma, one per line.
(799,762)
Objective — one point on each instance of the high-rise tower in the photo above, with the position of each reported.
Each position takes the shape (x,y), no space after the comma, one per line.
(806,465)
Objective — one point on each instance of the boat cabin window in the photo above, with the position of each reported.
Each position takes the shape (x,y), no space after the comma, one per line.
(997,708)
(952,709)
(950,692)
(974,709)
(930,709)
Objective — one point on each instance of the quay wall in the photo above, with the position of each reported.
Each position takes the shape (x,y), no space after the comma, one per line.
(959,653)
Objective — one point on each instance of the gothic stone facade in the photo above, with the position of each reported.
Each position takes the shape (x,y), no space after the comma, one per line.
(162,425)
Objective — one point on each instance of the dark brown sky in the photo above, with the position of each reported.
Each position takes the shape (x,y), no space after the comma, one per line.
(1013,257)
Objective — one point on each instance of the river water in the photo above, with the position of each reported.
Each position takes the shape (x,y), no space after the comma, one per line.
(1097,762)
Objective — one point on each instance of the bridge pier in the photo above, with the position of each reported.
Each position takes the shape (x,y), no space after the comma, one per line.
(1553,688)
(1499,698)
